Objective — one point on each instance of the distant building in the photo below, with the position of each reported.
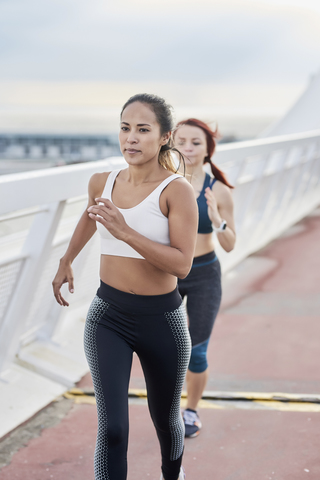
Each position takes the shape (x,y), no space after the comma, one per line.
(20,152)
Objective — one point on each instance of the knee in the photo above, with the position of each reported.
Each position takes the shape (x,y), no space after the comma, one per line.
(198,361)
(168,422)
(116,433)
(161,422)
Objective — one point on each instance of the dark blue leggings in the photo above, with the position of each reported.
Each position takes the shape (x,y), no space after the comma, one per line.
(202,287)
(155,327)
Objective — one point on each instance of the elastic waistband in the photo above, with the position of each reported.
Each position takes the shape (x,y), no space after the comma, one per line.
(205,259)
(139,303)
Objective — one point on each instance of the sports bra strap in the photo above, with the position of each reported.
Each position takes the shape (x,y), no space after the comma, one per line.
(212,182)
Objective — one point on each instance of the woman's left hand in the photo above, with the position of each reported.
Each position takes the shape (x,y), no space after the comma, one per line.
(213,212)
(109,216)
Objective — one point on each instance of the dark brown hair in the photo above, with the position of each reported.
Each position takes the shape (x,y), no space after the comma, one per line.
(163,113)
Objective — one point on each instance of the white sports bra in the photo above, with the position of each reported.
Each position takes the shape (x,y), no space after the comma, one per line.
(145,218)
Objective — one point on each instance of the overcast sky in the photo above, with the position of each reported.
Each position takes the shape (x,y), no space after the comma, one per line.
(214,41)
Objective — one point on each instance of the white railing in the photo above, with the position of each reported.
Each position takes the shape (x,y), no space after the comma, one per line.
(29,256)
(277,183)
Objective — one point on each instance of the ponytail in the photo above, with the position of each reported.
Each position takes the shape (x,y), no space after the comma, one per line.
(217,173)
(166,160)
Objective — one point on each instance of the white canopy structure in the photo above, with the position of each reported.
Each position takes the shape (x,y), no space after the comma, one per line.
(303,116)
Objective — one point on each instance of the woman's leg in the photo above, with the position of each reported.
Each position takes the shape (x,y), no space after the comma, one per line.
(164,352)
(196,383)
(203,290)
(203,303)
(109,357)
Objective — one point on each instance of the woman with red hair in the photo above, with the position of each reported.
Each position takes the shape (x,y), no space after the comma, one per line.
(202,287)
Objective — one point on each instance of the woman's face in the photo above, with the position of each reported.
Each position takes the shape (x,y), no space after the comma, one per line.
(192,143)
(139,137)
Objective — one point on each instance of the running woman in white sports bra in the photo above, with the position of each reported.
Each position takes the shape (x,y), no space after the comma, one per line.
(147,218)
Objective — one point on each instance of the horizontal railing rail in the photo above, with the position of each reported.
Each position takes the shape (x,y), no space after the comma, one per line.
(277,184)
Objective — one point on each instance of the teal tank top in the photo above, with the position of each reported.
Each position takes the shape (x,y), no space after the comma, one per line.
(204,225)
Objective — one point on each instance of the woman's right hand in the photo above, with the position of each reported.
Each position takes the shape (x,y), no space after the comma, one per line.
(64,275)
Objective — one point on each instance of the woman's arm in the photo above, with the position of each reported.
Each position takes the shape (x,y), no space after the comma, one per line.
(175,259)
(82,234)
(220,207)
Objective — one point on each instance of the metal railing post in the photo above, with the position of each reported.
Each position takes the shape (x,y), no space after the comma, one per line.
(37,249)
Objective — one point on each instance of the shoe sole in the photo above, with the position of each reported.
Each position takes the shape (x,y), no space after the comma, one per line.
(193,435)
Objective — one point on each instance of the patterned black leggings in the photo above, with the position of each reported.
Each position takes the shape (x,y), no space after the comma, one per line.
(155,327)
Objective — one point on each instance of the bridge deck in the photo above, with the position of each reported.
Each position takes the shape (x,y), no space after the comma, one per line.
(265,341)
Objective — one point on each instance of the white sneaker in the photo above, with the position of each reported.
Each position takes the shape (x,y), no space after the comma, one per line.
(182,475)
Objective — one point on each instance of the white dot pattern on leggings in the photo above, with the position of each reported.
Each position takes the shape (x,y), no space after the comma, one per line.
(178,324)
(97,308)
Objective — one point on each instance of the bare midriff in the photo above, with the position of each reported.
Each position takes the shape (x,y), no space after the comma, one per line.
(204,244)
(135,275)
(139,277)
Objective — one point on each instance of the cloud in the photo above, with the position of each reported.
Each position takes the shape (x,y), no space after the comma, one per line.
(181,40)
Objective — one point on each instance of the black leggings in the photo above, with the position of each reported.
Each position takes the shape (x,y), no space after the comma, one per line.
(155,327)
(202,287)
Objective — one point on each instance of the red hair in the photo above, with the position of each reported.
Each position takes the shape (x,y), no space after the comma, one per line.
(211,137)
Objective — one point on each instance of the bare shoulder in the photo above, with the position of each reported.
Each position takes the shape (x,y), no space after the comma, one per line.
(222,190)
(180,186)
(180,197)
(223,194)
(97,183)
